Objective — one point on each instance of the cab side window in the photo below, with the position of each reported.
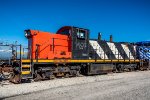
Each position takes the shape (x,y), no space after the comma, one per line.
(66,32)
(81,34)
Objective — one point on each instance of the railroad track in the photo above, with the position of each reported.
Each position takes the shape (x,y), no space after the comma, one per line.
(8,82)
(104,83)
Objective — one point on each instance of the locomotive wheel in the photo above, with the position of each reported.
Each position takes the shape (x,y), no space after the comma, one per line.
(120,68)
(67,75)
(37,77)
(78,73)
(51,77)
(15,78)
(43,76)
(141,68)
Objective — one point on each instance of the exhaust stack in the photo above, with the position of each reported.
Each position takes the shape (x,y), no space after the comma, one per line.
(99,36)
(111,38)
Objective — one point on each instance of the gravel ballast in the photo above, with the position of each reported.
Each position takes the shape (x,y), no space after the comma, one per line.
(87,88)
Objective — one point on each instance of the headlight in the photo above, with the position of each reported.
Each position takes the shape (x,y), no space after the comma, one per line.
(27,33)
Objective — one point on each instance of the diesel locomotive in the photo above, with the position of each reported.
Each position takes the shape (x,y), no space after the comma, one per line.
(70,52)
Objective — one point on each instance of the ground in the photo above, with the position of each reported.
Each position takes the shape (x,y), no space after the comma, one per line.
(114,86)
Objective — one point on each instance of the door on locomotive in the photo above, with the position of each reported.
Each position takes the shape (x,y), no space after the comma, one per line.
(79,41)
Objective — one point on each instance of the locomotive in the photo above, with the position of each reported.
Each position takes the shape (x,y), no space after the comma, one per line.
(143,51)
(70,52)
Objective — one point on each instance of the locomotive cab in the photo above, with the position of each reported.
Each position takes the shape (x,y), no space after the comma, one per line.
(79,41)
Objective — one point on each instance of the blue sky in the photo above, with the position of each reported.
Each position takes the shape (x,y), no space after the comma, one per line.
(126,20)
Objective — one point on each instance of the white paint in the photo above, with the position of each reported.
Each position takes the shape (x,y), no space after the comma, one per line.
(114,50)
(134,49)
(98,49)
(127,51)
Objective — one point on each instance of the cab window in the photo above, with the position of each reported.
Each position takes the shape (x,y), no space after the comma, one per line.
(81,34)
(66,32)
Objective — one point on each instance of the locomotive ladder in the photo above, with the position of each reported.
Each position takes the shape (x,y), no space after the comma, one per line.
(26,70)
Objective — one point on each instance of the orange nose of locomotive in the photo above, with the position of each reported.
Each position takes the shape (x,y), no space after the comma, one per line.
(45,45)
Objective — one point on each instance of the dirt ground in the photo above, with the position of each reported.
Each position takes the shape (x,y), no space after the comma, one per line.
(116,86)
